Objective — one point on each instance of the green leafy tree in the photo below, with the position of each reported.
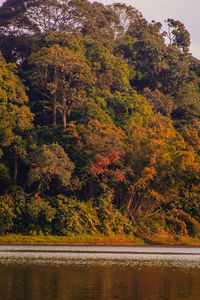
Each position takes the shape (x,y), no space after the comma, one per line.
(143,47)
(15,115)
(6,215)
(50,162)
(112,72)
(177,34)
(39,215)
(98,22)
(61,75)
(74,217)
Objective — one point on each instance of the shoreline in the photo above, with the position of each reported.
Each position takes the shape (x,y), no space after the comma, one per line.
(95,240)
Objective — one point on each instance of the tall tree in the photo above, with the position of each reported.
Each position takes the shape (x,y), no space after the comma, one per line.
(127,15)
(178,35)
(22,19)
(60,75)
(40,15)
(15,115)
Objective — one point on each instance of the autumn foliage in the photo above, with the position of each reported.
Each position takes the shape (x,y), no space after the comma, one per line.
(99,121)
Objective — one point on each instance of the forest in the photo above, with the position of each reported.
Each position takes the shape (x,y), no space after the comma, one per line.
(99,121)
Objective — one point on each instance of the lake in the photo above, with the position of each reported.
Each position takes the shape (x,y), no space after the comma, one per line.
(99,273)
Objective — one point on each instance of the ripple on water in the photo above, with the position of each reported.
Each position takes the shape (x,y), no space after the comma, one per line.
(179,257)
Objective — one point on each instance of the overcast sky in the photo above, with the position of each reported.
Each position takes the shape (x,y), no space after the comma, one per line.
(186,11)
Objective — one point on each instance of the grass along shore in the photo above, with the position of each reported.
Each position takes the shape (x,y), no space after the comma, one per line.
(95,240)
(84,239)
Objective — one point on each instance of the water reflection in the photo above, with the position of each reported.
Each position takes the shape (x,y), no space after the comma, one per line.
(106,275)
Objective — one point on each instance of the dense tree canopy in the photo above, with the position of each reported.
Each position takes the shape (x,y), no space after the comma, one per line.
(99,121)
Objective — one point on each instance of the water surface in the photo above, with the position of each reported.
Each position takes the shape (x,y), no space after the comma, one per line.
(99,273)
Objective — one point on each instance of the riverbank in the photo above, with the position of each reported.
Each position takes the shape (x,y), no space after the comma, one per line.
(17,239)
(98,240)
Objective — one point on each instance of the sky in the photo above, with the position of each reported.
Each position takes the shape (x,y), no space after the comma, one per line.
(186,11)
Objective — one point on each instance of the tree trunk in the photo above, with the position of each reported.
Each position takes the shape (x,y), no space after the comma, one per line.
(64,117)
(54,96)
(64,120)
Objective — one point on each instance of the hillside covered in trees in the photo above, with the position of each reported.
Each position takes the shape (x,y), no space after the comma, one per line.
(99,121)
